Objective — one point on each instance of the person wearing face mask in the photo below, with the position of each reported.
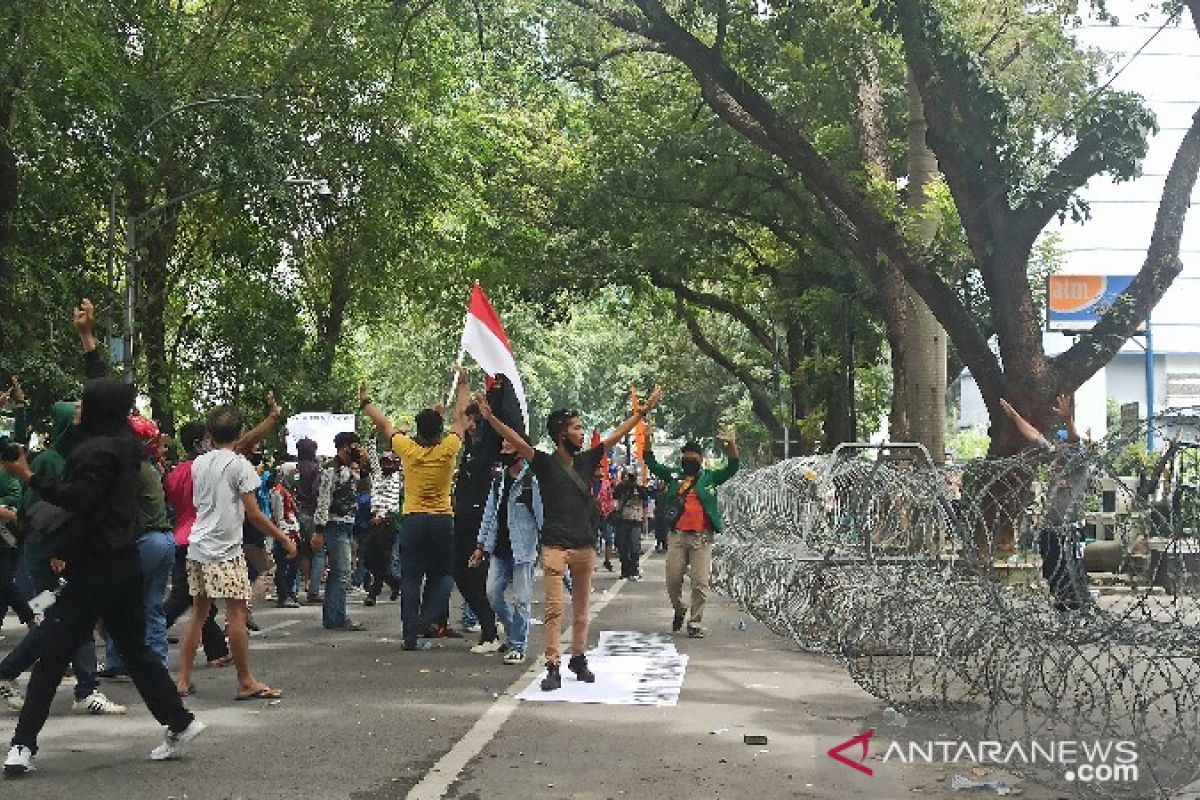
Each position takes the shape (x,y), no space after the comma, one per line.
(337,507)
(571,518)
(697,519)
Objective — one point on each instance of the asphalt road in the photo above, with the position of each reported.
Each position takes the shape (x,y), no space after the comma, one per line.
(363,720)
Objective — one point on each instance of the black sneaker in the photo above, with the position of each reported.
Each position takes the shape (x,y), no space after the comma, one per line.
(251,624)
(395,595)
(409,646)
(579,665)
(369,600)
(608,565)
(553,679)
(677,622)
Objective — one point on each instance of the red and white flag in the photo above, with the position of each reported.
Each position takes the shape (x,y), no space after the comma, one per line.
(483,337)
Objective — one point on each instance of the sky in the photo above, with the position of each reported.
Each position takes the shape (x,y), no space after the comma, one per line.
(1114,240)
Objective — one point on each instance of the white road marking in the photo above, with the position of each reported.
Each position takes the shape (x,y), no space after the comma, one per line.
(445,772)
(275,627)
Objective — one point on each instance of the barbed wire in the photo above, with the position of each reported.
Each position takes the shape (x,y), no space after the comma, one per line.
(1035,597)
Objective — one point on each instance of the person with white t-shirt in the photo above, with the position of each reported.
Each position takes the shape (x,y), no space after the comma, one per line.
(224,487)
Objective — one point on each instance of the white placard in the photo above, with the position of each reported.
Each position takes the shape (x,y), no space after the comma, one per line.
(321,427)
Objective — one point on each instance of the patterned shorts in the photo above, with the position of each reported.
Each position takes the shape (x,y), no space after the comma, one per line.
(226,580)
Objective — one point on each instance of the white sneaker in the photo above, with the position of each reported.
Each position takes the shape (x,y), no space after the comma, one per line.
(514,657)
(174,742)
(10,693)
(97,703)
(19,761)
(472,628)
(487,647)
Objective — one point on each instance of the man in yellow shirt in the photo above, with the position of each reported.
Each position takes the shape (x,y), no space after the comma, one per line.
(427,530)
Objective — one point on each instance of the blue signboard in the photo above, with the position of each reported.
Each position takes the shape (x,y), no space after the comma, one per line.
(1077,302)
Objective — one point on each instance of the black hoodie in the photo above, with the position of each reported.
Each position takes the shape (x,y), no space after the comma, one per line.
(99,482)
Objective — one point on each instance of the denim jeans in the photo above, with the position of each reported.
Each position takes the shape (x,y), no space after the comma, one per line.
(426,557)
(317,558)
(287,573)
(156,552)
(503,573)
(337,545)
(629,547)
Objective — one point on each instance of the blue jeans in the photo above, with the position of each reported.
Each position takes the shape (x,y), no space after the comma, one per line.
(426,557)
(469,620)
(503,573)
(337,546)
(287,573)
(156,552)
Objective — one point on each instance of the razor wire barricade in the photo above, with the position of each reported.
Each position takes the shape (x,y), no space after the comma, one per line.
(927,582)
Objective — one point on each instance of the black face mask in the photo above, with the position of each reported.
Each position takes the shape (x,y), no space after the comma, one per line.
(691,467)
(508,459)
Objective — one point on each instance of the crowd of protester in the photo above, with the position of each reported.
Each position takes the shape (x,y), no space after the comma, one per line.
(102,530)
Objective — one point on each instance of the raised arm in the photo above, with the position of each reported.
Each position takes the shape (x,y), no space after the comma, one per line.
(378,418)
(258,519)
(84,319)
(632,420)
(247,441)
(524,449)
(1065,407)
(462,398)
(1029,433)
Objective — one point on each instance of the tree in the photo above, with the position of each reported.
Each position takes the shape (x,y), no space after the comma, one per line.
(1003,198)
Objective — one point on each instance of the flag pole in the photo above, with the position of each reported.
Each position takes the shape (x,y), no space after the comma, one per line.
(458,362)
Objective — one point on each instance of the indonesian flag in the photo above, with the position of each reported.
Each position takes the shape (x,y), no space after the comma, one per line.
(483,337)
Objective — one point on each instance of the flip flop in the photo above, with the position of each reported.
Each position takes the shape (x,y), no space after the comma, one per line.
(218,663)
(191,690)
(265,693)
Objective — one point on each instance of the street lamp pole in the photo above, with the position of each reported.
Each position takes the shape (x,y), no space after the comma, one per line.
(130,237)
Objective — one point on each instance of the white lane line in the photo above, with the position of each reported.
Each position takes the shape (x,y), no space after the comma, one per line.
(277,626)
(445,772)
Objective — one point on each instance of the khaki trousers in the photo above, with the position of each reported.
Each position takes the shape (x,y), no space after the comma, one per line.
(555,562)
(687,550)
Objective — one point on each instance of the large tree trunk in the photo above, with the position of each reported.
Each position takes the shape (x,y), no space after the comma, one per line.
(153,323)
(891,293)
(9,187)
(924,343)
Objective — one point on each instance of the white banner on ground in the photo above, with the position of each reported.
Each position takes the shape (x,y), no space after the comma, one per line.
(639,669)
(321,427)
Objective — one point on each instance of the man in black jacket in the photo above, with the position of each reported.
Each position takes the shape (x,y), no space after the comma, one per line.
(97,553)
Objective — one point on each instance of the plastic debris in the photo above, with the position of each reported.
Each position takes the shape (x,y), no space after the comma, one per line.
(960,783)
(753,738)
(719,731)
(738,624)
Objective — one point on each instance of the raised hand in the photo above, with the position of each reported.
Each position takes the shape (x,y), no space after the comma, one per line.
(273,408)
(18,394)
(364,395)
(652,400)
(84,318)
(485,408)
(1065,406)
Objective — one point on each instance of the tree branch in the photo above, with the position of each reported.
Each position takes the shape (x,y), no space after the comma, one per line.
(761,399)
(717,303)
(1096,348)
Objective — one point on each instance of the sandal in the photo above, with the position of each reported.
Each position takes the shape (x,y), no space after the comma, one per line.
(265,693)
(188,692)
(223,661)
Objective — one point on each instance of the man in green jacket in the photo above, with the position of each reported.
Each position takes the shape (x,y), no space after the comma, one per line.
(693,490)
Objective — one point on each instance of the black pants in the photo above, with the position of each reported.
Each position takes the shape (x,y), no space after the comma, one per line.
(107,588)
(629,547)
(426,572)
(179,600)
(472,581)
(9,596)
(377,555)
(1063,567)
